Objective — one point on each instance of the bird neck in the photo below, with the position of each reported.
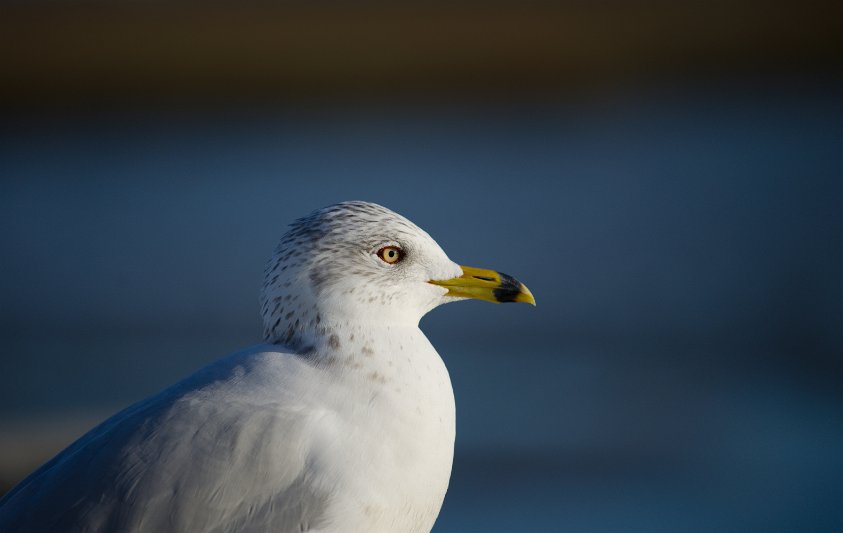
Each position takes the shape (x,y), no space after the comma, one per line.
(326,336)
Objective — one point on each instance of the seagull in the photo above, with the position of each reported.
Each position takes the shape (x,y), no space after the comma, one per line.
(343,420)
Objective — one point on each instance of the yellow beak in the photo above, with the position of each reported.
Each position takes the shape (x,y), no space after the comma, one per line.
(486,285)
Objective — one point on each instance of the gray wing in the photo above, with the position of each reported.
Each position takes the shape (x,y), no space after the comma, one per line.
(212,453)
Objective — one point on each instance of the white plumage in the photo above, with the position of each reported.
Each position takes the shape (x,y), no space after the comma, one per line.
(342,421)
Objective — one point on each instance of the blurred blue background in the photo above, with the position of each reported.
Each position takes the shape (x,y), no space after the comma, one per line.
(679,224)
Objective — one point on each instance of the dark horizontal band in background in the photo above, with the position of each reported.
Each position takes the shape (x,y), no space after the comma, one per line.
(70,53)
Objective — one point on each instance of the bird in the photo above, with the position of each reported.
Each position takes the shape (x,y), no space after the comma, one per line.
(341,420)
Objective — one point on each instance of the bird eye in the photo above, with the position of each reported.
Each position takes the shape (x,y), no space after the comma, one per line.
(391,254)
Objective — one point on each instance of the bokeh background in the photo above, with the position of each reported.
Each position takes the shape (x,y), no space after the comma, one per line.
(665,176)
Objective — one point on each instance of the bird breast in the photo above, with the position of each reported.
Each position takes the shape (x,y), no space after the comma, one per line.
(398,425)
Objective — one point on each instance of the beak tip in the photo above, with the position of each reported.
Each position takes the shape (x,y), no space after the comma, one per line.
(526,296)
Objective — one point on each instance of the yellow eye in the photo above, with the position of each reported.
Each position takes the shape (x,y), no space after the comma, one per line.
(391,254)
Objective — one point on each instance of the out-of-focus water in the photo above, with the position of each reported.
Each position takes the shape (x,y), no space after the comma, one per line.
(682,369)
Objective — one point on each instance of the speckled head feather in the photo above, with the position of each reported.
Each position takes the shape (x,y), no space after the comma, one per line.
(326,273)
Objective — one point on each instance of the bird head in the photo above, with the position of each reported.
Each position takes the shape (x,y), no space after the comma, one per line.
(359,262)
